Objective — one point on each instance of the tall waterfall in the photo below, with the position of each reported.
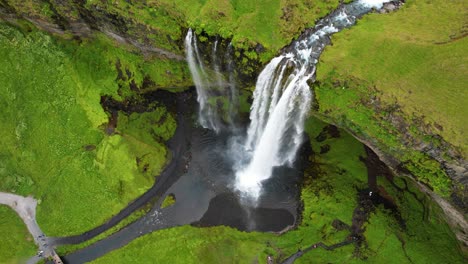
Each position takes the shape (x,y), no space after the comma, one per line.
(234,95)
(212,87)
(282,96)
(282,99)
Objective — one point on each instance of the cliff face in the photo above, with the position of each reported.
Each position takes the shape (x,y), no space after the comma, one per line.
(399,86)
(411,81)
(78,18)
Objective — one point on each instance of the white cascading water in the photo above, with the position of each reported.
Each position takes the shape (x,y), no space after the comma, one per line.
(211,84)
(373,3)
(233,93)
(281,103)
(208,115)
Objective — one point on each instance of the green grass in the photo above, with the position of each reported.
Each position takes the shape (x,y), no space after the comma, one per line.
(423,231)
(40,9)
(146,132)
(17,245)
(168,201)
(329,193)
(188,244)
(53,144)
(272,23)
(416,57)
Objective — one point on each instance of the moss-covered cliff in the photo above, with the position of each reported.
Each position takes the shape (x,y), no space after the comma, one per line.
(264,26)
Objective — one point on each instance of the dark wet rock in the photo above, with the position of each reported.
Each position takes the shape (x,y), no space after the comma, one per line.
(333,131)
(391,6)
(324,149)
(340,225)
(330,131)
(112,124)
(259,48)
(89,147)
(229,59)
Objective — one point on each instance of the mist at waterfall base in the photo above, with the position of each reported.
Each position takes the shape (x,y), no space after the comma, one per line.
(281,100)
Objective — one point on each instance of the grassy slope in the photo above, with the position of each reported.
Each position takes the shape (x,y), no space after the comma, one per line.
(53,145)
(346,103)
(415,57)
(329,193)
(17,245)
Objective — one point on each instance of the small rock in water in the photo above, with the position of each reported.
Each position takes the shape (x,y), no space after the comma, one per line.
(390,7)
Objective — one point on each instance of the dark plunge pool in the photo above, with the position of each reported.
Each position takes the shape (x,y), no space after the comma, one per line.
(200,176)
(205,195)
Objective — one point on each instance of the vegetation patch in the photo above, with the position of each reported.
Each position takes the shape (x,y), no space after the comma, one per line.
(416,58)
(168,201)
(261,28)
(18,245)
(54,146)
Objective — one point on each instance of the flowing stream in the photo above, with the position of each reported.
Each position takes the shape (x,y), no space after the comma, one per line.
(281,100)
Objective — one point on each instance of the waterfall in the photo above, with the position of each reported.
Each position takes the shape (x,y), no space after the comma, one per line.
(277,143)
(233,93)
(207,116)
(281,100)
(281,103)
(212,88)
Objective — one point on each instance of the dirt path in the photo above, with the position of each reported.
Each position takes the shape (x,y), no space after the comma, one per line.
(25,207)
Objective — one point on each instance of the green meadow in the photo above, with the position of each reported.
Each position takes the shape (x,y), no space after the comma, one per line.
(415,58)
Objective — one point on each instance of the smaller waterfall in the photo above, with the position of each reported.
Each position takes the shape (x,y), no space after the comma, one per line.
(216,96)
(233,93)
(281,102)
